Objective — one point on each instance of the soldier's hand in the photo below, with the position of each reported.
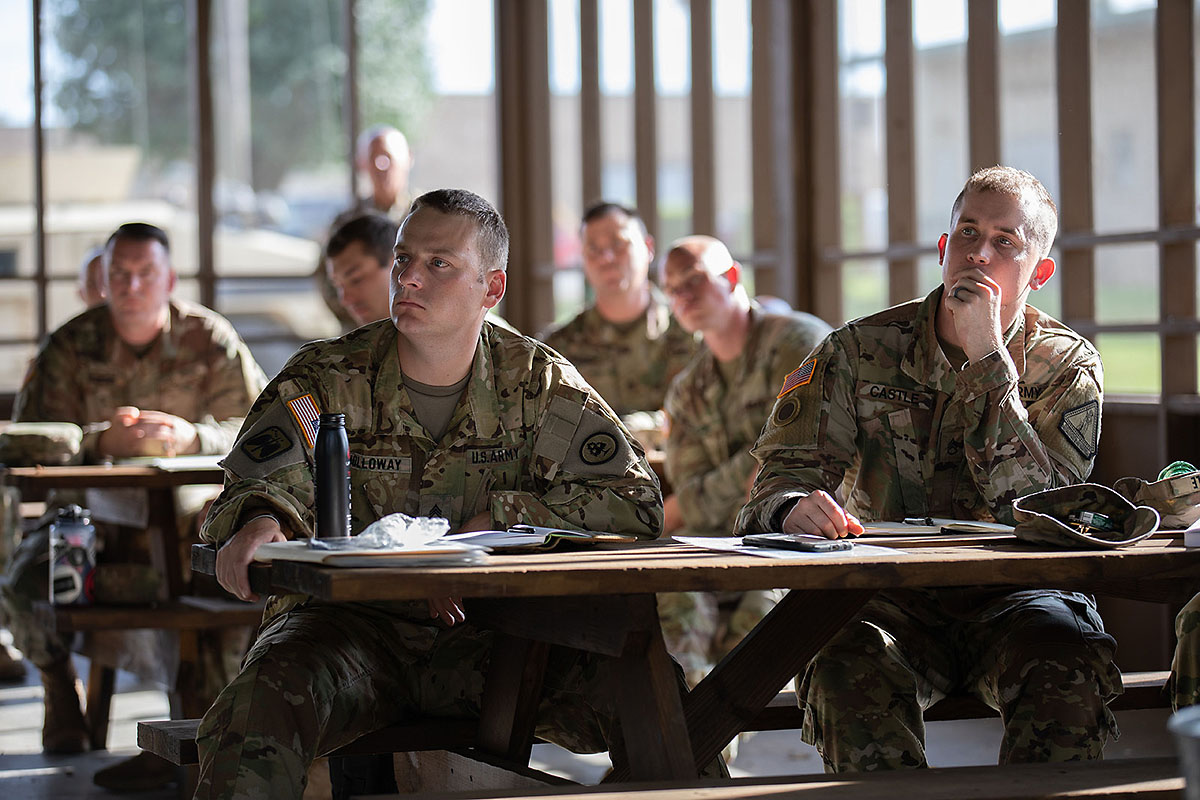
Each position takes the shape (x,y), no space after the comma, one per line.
(975,301)
(140,432)
(234,557)
(819,513)
(448,609)
(171,435)
(672,516)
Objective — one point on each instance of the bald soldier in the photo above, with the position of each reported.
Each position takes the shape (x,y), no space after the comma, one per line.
(448,416)
(951,406)
(625,343)
(717,407)
(143,374)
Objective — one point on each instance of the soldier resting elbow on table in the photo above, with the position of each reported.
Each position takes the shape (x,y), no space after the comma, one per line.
(952,406)
(143,375)
(447,415)
(718,405)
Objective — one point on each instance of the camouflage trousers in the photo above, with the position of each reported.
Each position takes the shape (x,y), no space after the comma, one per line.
(151,654)
(699,628)
(1185,667)
(321,675)
(1042,660)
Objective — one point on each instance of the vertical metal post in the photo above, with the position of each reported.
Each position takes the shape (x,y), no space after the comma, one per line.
(39,178)
(350,91)
(200,74)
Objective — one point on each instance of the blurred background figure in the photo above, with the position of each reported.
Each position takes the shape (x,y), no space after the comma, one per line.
(91,278)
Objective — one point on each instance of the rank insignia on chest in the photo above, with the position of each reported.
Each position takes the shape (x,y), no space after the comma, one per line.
(304,409)
(800,376)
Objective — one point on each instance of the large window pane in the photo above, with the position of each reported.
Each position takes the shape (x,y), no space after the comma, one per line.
(861,87)
(731,79)
(1028,101)
(940,101)
(673,86)
(1124,144)
(1127,283)
(864,287)
(1131,363)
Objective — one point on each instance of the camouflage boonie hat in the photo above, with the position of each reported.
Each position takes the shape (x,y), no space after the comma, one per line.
(49,444)
(1083,516)
(1175,498)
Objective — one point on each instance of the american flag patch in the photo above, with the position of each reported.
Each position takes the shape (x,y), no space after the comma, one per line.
(305,410)
(798,377)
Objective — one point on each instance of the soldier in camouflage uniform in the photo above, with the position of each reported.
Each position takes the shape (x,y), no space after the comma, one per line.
(625,344)
(952,406)
(1185,667)
(449,416)
(717,407)
(142,375)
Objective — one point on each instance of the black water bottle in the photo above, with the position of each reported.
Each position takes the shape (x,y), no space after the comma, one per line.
(332,477)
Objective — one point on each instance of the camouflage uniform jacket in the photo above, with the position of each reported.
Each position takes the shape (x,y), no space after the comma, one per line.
(198,369)
(713,426)
(631,366)
(879,401)
(529,442)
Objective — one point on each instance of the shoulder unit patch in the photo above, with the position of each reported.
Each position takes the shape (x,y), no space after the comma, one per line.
(1081,426)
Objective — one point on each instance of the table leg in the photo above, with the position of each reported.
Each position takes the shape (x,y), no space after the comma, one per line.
(747,678)
(511,691)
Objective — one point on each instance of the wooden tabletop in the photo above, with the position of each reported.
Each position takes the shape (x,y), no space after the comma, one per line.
(145,476)
(1154,568)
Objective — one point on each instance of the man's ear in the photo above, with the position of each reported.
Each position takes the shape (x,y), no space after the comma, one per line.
(942,248)
(1042,273)
(650,246)
(733,274)
(496,280)
(171,281)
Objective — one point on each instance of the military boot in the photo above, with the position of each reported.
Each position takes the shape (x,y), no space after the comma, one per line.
(12,670)
(63,730)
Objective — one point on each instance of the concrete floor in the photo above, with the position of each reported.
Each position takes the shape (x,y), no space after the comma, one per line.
(26,773)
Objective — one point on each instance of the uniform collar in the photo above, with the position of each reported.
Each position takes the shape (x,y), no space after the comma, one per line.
(478,417)
(926,363)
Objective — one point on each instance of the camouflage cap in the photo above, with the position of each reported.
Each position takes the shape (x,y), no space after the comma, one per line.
(29,444)
(1077,516)
(1176,498)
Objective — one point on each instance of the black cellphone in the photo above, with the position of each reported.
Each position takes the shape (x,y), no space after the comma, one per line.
(797,541)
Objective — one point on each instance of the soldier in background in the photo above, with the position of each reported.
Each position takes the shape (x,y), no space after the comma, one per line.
(951,406)
(383,158)
(625,344)
(430,388)
(143,374)
(716,409)
(90,286)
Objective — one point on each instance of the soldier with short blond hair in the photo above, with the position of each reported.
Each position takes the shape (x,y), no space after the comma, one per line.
(951,406)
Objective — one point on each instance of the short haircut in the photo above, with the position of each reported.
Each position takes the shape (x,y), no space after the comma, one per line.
(375,232)
(1043,214)
(603,208)
(491,233)
(139,232)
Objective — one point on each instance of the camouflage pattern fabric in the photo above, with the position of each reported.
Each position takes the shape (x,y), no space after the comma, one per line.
(529,442)
(1176,498)
(48,444)
(713,426)
(1043,662)
(631,366)
(1185,667)
(1045,517)
(198,368)
(879,403)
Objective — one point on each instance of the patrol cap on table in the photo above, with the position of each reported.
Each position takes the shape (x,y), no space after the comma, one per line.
(1083,516)
(49,444)
(1175,495)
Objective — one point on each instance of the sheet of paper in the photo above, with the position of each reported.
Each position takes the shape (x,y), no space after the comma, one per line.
(298,550)
(733,544)
(125,506)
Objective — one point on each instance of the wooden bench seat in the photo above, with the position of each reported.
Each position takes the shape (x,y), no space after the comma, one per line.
(187,615)
(1145,779)
(175,740)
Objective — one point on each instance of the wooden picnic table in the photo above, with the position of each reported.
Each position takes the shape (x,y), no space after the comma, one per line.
(603,600)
